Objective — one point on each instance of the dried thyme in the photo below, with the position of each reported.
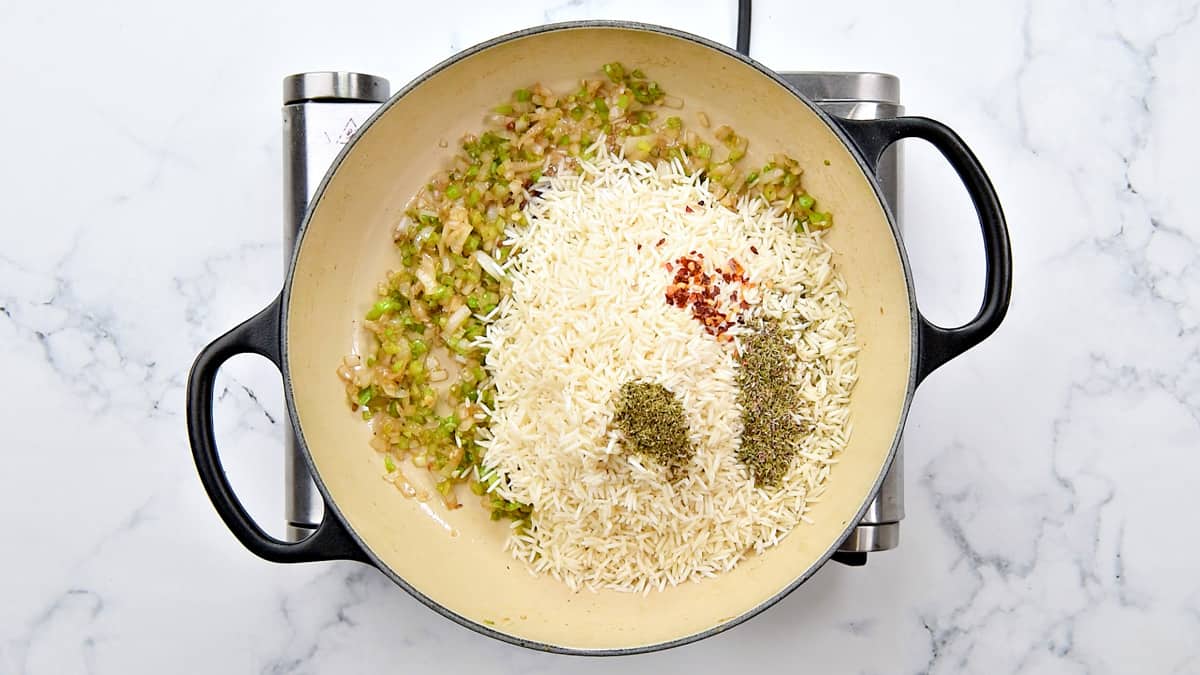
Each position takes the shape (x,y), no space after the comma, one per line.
(652,424)
(770,431)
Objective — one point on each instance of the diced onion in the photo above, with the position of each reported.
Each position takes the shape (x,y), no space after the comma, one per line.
(425,273)
(422,235)
(457,318)
(490,266)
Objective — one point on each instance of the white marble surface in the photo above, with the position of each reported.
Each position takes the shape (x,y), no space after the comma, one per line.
(1051,472)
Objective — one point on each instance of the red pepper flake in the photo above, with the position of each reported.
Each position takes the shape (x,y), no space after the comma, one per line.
(661,241)
(754,250)
(688,209)
(701,292)
(639,247)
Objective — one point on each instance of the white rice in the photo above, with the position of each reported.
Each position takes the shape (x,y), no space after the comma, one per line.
(587,313)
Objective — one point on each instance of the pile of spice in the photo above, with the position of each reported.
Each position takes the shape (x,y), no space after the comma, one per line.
(712,297)
(770,431)
(651,420)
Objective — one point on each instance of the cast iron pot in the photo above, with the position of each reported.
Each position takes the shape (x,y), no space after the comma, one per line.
(453,561)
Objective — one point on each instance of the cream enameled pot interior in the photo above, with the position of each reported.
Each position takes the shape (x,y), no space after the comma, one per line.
(456,558)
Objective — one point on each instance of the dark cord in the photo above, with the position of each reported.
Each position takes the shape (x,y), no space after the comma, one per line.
(743,27)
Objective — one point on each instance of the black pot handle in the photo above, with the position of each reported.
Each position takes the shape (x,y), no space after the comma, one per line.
(258,335)
(938,345)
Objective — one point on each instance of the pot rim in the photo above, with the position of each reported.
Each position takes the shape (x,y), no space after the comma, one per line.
(331,505)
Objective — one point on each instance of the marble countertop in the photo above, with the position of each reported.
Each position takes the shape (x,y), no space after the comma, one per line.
(1050,472)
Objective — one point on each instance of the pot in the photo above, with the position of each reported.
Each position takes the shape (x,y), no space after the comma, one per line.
(453,561)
